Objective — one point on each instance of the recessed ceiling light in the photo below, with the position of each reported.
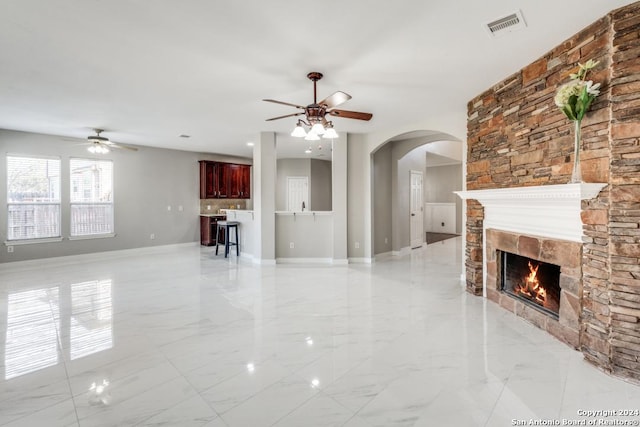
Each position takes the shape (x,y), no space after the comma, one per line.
(250,144)
(185,136)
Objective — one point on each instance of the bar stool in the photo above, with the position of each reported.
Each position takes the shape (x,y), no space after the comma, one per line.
(225,227)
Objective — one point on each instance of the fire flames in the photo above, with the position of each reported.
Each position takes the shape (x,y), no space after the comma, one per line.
(531,287)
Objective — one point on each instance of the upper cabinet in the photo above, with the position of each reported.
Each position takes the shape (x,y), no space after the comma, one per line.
(239,181)
(224,180)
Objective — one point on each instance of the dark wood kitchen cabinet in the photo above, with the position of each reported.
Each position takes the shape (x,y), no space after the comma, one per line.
(220,180)
(213,180)
(239,181)
(209,228)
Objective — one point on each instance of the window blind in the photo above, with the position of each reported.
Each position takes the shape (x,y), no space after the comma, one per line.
(91,196)
(33,197)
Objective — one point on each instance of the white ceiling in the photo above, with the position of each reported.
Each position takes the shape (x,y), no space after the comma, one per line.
(148,71)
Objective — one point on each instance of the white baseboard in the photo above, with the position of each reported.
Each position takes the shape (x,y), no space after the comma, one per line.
(264,261)
(402,252)
(304,260)
(383,256)
(93,256)
(342,261)
(361,261)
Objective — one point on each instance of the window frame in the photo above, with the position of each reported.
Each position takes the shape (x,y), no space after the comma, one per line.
(72,203)
(9,204)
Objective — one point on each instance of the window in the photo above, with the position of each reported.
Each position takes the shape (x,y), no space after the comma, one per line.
(33,198)
(91,197)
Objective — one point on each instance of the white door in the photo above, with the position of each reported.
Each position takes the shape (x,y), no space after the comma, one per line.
(416,223)
(297,193)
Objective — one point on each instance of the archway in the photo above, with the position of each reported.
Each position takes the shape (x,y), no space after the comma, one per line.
(391,163)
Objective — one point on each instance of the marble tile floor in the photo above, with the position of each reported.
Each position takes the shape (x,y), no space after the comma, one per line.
(179,337)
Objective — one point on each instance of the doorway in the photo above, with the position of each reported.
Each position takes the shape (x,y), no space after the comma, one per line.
(297,193)
(416,210)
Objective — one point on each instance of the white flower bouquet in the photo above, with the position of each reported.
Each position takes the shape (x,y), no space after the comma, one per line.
(575,98)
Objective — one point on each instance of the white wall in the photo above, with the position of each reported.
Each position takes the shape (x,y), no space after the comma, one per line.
(440,183)
(309,233)
(146,182)
(382,200)
(320,185)
(358,189)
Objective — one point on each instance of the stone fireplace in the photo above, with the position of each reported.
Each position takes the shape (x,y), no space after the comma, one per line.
(520,146)
(536,229)
(560,261)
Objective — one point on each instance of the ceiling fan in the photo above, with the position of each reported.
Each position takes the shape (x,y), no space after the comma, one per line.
(315,113)
(100,144)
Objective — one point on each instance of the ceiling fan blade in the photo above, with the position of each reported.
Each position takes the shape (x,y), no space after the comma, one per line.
(282,117)
(350,114)
(335,99)
(284,103)
(118,146)
(126,147)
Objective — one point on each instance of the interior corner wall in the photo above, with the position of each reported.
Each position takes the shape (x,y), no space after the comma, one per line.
(320,185)
(382,201)
(146,182)
(357,177)
(265,165)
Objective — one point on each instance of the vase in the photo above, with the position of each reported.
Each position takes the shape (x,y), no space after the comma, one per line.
(576,174)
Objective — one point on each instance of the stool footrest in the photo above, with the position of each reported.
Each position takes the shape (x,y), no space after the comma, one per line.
(225,228)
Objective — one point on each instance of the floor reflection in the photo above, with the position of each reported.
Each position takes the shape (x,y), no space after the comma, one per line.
(44,324)
(91,318)
(31,340)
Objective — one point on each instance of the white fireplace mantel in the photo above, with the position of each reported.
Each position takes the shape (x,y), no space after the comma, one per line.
(548,210)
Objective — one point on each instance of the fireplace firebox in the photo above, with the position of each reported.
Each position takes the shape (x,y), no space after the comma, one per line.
(534,282)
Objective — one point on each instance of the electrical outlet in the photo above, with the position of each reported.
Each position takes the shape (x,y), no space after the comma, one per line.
(152,237)
(10,249)
(180,208)
(357,245)
(208,207)
(291,245)
(386,240)
(443,224)
(169,207)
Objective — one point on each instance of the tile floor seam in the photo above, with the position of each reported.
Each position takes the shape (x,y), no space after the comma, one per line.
(293,410)
(240,403)
(194,388)
(495,403)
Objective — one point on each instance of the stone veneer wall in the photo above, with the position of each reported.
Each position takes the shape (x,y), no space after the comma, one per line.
(518,137)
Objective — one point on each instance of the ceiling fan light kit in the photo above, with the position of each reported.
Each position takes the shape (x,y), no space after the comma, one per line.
(99,144)
(299,131)
(97,148)
(315,113)
(312,136)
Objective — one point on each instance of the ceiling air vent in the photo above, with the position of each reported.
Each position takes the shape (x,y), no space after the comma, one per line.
(507,24)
